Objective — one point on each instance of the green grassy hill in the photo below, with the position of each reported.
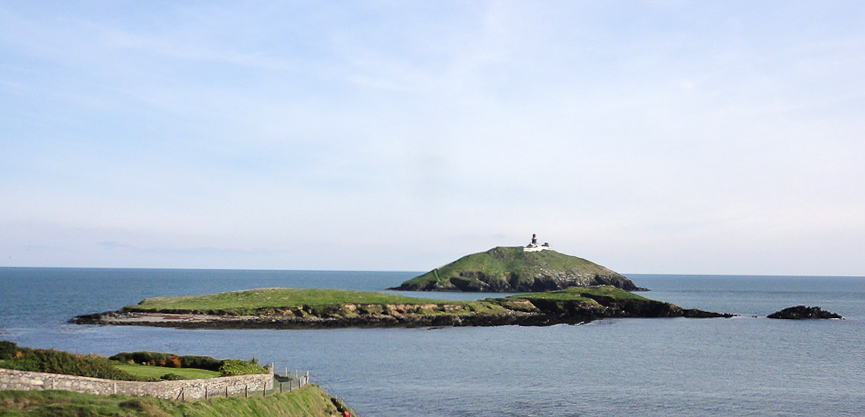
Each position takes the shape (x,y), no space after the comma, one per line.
(309,401)
(510,269)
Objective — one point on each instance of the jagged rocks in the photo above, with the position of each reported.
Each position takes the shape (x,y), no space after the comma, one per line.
(803,312)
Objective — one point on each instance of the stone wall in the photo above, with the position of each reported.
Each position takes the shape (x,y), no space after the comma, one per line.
(174,390)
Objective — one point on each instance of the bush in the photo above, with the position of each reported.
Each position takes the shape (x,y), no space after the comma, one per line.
(57,362)
(170,377)
(172,362)
(7,349)
(200,362)
(168,360)
(141,358)
(233,367)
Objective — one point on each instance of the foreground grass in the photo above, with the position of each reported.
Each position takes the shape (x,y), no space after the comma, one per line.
(309,401)
(147,371)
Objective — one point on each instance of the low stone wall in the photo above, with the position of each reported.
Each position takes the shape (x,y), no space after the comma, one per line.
(174,390)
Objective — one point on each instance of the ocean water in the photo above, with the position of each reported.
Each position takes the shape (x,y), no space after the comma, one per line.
(744,366)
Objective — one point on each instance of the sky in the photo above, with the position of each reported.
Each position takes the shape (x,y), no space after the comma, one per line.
(672,137)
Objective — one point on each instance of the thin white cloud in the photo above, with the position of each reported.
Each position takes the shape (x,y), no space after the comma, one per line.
(646,136)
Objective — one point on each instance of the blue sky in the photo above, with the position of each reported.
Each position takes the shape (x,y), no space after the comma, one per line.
(651,137)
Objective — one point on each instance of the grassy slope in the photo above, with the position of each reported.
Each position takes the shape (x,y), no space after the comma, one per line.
(309,401)
(265,301)
(247,301)
(500,262)
(576,294)
(147,371)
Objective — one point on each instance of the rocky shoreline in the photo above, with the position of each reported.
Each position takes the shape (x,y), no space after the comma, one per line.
(537,313)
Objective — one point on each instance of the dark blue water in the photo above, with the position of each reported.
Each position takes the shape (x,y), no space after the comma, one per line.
(685,367)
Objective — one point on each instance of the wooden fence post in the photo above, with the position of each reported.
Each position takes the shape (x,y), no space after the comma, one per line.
(246,390)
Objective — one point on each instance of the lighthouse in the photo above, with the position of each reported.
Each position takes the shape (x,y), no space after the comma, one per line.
(534,247)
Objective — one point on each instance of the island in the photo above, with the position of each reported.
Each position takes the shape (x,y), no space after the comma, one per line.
(288,308)
(532,268)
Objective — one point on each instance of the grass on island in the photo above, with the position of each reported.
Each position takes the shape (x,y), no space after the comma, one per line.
(156,372)
(309,401)
(579,294)
(252,301)
(503,262)
(326,302)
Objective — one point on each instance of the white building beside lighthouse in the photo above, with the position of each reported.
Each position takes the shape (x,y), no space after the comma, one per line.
(534,247)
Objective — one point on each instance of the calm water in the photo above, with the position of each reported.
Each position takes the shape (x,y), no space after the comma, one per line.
(686,367)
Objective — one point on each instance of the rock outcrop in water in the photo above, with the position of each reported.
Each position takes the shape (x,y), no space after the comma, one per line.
(803,312)
(513,269)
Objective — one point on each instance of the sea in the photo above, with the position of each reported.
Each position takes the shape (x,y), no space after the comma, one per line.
(743,366)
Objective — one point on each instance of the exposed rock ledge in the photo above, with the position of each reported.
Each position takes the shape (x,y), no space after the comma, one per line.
(803,312)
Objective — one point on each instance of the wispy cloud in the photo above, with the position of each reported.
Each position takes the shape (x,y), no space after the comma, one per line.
(643,136)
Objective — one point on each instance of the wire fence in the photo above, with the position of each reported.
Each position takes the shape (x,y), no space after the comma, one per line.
(286,382)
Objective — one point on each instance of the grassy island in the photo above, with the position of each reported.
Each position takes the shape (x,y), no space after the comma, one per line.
(511,269)
(324,308)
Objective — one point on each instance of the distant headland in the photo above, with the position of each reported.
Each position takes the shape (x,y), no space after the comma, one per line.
(531,268)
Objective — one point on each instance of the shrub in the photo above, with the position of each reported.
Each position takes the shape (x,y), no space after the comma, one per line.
(172,361)
(7,349)
(170,377)
(141,357)
(200,362)
(168,360)
(57,362)
(233,367)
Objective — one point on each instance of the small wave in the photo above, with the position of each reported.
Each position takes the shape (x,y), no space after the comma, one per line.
(75,329)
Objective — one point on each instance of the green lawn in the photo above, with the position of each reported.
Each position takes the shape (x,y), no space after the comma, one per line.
(146,371)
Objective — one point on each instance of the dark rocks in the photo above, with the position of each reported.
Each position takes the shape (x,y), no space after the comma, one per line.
(700,314)
(803,312)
